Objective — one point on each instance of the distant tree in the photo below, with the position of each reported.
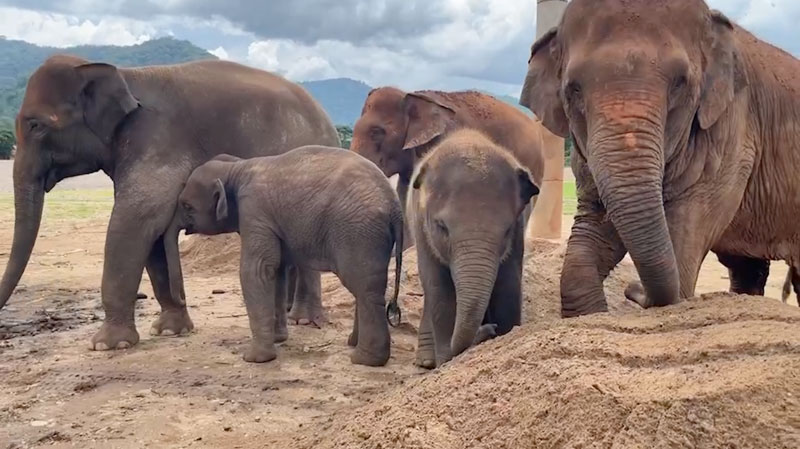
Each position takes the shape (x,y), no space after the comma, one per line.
(568,147)
(7,142)
(345,135)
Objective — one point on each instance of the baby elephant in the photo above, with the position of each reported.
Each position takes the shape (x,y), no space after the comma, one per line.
(466,215)
(319,208)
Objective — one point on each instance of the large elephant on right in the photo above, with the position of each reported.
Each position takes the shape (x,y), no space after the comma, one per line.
(687,139)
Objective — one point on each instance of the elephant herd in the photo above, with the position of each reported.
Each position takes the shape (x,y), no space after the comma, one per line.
(687,140)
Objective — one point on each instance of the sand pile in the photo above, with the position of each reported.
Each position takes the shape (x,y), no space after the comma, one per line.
(211,256)
(717,371)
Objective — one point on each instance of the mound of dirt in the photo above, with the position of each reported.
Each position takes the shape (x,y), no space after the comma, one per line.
(717,371)
(211,256)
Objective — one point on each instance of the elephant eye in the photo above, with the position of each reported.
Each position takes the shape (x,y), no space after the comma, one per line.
(441,227)
(376,134)
(34,126)
(679,82)
(572,90)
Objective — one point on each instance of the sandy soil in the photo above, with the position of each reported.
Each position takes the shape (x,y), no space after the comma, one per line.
(669,378)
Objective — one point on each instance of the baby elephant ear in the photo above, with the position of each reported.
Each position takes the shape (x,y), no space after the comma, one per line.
(221,199)
(527,188)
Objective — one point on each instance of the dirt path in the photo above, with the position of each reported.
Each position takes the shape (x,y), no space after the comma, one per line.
(197,392)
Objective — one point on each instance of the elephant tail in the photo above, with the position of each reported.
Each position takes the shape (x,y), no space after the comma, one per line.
(393,313)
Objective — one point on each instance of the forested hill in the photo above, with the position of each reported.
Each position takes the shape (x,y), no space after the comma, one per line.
(342,98)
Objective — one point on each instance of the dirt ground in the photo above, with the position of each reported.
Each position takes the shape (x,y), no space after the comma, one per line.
(721,372)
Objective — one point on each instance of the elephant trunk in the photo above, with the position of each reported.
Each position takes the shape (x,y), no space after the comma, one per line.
(627,163)
(474,271)
(172,252)
(28,204)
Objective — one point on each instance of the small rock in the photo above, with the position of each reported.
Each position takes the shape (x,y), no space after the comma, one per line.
(38,423)
(217,291)
(141,295)
(227,428)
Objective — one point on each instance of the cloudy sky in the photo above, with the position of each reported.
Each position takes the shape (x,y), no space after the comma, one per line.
(413,44)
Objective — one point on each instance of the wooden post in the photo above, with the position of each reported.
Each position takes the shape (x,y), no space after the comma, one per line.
(547,216)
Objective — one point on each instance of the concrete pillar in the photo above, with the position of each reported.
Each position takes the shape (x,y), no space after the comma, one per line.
(547,217)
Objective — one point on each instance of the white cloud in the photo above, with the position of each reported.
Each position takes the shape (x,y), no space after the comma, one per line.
(59,30)
(220,53)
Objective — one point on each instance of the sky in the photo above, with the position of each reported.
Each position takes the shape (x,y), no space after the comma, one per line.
(412,44)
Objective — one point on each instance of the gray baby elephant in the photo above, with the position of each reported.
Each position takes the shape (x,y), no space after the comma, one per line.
(466,215)
(315,207)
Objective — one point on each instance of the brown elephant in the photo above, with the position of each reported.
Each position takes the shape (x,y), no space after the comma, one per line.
(466,211)
(687,136)
(396,129)
(315,207)
(146,128)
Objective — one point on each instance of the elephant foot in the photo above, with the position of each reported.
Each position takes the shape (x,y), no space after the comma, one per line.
(114,336)
(362,357)
(485,332)
(260,353)
(635,292)
(281,333)
(172,322)
(425,359)
(305,315)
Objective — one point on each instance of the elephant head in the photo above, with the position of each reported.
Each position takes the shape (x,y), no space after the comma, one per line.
(631,81)
(470,195)
(394,123)
(205,206)
(65,127)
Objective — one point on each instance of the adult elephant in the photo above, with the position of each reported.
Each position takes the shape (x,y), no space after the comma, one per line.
(687,135)
(396,129)
(146,128)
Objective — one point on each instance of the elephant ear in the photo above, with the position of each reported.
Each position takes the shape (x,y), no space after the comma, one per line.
(542,91)
(221,199)
(427,119)
(724,75)
(527,188)
(105,98)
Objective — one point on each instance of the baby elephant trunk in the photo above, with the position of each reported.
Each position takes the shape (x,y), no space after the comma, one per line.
(474,275)
(174,260)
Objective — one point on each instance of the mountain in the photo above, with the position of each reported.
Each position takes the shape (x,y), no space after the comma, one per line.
(342,98)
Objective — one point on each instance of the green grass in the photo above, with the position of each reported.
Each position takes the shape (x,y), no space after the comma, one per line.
(570,198)
(67,204)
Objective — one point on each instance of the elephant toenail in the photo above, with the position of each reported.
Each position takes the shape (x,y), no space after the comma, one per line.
(184,331)
(100,347)
(123,345)
(167,333)
(154,332)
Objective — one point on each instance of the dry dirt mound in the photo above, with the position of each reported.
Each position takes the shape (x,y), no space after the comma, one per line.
(717,371)
(543,260)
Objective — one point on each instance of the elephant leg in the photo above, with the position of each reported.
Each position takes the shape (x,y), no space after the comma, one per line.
(352,340)
(174,318)
(426,354)
(281,295)
(371,331)
(291,286)
(748,275)
(128,244)
(260,273)
(505,305)
(593,250)
(307,299)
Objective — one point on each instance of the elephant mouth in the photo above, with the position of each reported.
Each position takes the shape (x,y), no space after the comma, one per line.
(189,230)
